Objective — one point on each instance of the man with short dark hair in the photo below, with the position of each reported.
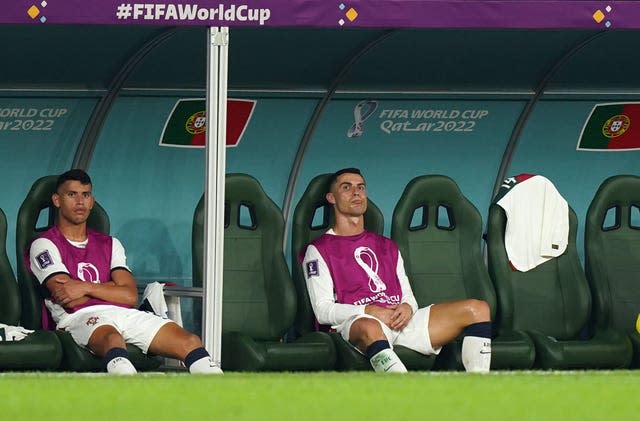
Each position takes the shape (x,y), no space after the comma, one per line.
(91,292)
(357,284)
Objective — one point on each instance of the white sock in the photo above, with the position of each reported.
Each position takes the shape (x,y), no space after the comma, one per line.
(204,366)
(387,361)
(476,354)
(120,366)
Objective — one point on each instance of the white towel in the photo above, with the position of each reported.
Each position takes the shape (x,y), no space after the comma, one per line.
(10,333)
(165,307)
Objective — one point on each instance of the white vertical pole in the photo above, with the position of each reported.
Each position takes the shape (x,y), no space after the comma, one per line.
(217,68)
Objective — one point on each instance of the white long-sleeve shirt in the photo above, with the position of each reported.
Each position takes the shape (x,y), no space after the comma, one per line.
(537,227)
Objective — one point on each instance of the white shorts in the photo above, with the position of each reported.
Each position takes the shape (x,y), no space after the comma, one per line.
(136,327)
(414,336)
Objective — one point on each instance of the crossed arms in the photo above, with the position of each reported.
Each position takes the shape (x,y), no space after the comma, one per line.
(69,293)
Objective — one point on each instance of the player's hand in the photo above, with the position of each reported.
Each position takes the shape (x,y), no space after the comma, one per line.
(381,313)
(68,291)
(401,316)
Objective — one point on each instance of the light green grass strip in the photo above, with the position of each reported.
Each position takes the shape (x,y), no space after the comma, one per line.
(588,395)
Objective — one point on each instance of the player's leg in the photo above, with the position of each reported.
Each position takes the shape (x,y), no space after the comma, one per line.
(449,319)
(107,342)
(174,342)
(364,331)
(367,335)
(471,318)
(94,328)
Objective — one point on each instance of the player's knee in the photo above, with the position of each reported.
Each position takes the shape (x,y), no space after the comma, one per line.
(105,338)
(365,329)
(190,342)
(479,310)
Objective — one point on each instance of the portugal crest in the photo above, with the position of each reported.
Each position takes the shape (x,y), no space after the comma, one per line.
(196,123)
(616,126)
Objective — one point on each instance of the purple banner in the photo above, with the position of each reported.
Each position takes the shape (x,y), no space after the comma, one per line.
(525,14)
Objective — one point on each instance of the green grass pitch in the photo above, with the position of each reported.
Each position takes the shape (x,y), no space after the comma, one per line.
(580,395)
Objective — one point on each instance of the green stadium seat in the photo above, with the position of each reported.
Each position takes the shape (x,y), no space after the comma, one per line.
(259,301)
(439,233)
(552,304)
(40,350)
(612,256)
(36,215)
(312,217)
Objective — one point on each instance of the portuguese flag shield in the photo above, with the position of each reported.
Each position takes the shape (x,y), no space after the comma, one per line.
(611,127)
(187,124)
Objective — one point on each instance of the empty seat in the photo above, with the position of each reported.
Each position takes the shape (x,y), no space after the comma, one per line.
(439,233)
(259,300)
(612,256)
(40,350)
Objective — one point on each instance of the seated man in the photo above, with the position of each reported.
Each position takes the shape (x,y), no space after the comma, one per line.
(92,294)
(357,284)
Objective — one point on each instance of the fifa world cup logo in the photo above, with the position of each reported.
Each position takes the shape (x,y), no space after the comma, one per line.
(361,112)
(88,273)
(368,261)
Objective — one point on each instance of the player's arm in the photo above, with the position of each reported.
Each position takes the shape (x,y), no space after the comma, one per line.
(321,294)
(46,264)
(121,288)
(405,286)
(402,313)
(63,291)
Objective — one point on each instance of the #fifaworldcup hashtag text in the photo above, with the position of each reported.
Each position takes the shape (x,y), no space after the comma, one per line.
(192,12)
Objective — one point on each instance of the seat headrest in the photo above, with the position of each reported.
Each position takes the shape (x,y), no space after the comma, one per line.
(314,198)
(243,190)
(431,192)
(618,190)
(39,198)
